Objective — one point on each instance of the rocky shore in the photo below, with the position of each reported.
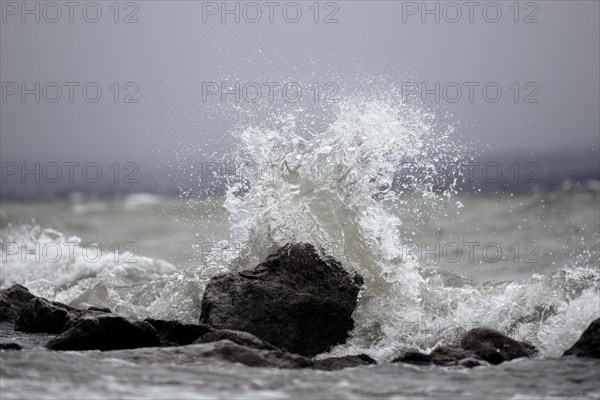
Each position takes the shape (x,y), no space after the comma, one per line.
(290,308)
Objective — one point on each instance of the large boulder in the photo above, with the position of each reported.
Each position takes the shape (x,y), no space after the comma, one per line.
(105,332)
(12,300)
(295,300)
(588,344)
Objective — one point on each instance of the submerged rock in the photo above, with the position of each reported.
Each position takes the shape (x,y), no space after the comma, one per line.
(12,300)
(232,352)
(494,347)
(294,300)
(588,344)
(414,357)
(175,333)
(336,363)
(105,332)
(238,337)
(477,347)
(442,356)
(10,346)
(223,350)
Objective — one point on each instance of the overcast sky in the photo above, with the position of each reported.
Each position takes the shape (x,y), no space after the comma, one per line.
(176,47)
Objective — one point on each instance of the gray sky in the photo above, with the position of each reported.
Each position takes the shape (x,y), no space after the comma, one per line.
(171,51)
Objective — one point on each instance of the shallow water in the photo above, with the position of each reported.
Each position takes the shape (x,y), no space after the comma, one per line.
(180,373)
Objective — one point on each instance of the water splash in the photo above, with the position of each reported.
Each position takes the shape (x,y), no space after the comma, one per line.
(61,268)
(339,189)
(346,188)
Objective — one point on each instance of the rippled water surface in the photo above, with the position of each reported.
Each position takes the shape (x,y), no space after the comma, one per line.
(175,373)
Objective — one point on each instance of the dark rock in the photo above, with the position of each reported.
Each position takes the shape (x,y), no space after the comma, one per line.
(238,337)
(479,346)
(45,316)
(454,355)
(588,344)
(41,315)
(175,333)
(34,314)
(10,346)
(294,300)
(471,362)
(12,300)
(335,363)
(443,356)
(232,352)
(494,347)
(100,309)
(105,332)
(414,357)
(223,350)
(7,313)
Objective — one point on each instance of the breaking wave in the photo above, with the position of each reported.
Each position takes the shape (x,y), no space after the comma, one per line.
(346,189)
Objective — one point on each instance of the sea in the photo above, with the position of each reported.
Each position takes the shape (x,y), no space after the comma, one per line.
(385,190)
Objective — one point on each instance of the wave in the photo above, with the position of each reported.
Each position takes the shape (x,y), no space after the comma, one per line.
(337,188)
(64,269)
(353,212)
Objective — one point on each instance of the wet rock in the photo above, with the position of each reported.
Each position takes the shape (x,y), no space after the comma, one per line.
(442,356)
(41,315)
(34,314)
(232,352)
(7,313)
(175,333)
(335,363)
(224,350)
(105,332)
(44,316)
(471,362)
(479,346)
(238,337)
(414,357)
(588,344)
(294,300)
(494,347)
(12,300)
(10,346)
(454,355)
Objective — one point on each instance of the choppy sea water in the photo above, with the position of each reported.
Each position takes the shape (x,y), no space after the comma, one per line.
(167,374)
(436,263)
(167,282)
